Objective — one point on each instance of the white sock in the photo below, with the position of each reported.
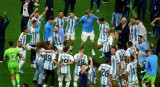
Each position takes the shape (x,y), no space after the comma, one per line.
(70,47)
(119,84)
(60,84)
(67,84)
(75,84)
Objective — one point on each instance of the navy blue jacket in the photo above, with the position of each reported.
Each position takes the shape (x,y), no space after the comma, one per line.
(49,3)
(30,6)
(3,28)
(154,7)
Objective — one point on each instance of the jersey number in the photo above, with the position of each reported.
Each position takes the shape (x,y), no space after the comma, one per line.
(12,57)
(104,73)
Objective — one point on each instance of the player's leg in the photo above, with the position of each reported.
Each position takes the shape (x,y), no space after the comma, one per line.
(52,77)
(98,5)
(114,20)
(67,39)
(36,73)
(1,50)
(68,79)
(72,41)
(22,61)
(13,80)
(84,38)
(122,75)
(75,80)
(46,78)
(16,71)
(114,78)
(41,72)
(60,79)
(91,4)
(92,35)
(153,78)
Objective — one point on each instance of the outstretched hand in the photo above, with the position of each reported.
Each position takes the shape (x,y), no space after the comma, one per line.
(5,13)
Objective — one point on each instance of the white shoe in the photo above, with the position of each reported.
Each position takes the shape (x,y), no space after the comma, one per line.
(44,85)
(33,65)
(93,53)
(97,10)
(43,77)
(101,56)
(1,61)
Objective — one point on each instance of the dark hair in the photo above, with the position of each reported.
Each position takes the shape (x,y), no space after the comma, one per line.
(130,43)
(113,47)
(48,43)
(133,17)
(25,28)
(132,58)
(25,85)
(2,19)
(82,65)
(95,62)
(65,49)
(51,18)
(137,18)
(54,48)
(71,11)
(119,44)
(10,43)
(101,19)
(147,51)
(60,11)
(140,36)
(42,44)
(56,26)
(81,48)
(108,60)
(34,21)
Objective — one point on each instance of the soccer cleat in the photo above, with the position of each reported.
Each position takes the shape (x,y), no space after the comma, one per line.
(39,85)
(1,61)
(97,10)
(34,81)
(150,32)
(101,56)
(152,35)
(43,77)
(105,1)
(143,71)
(44,85)
(21,71)
(93,53)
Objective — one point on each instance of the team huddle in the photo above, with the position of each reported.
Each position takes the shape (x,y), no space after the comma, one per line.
(119,68)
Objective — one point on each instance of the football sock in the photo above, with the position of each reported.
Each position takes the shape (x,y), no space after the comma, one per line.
(13,83)
(18,79)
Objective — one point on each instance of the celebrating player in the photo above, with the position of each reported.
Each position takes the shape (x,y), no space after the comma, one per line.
(79,58)
(13,65)
(87,28)
(64,70)
(60,20)
(70,30)
(106,74)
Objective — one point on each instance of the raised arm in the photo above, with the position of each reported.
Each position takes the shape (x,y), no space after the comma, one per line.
(39,27)
(33,13)
(45,11)
(6,24)
(153,22)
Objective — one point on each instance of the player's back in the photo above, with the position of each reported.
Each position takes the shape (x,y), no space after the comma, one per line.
(48,64)
(121,56)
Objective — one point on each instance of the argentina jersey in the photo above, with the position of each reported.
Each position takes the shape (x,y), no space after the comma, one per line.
(65,58)
(114,64)
(39,56)
(48,64)
(60,22)
(132,74)
(121,57)
(92,75)
(107,44)
(134,32)
(22,39)
(103,28)
(35,37)
(70,24)
(57,39)
(106,71)
(83,60)
(129,51)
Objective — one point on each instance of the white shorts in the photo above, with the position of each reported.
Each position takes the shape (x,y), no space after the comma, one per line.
(114,77)
(134,43)
(122,72)
(101,42)
(85,36)
(23,54)
(49,40)
(67,77)
(133,84)
(70,36)
(76,77)
(59,47)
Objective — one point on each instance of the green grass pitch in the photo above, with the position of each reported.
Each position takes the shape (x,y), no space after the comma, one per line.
(12,7)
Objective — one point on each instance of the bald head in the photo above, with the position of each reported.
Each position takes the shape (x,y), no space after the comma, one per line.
(123,20)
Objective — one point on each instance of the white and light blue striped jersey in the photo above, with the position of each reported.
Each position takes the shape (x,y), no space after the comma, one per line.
(22,39)
(130,50)
(107,44)
(114,64)
(121,57)
(92,75)
(106,71)
(70,24)
(83,60)
(39,56)
(102,29)
(65,58)
(132,72)
(57,39)
(60,22)
(35,37)
(48,64)
(134,32)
